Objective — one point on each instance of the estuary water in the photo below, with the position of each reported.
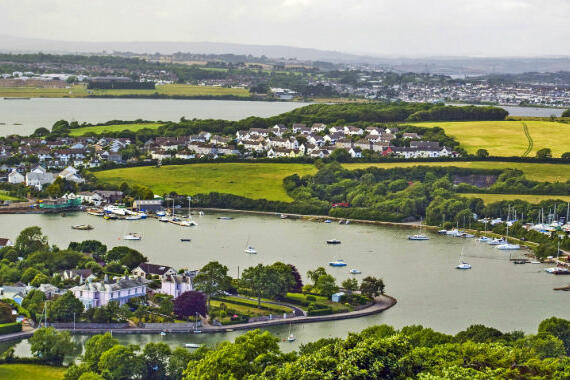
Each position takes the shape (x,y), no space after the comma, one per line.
(421,275)
(23,117)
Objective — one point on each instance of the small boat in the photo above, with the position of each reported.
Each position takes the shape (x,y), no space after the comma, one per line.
(164,219)
(341,221)
(337,263)
(82,227)
(192,345)
(534,262)
(95,212)
(132,236)
(143,215)
(110,217)
(496,241)
(484,239)
(466,235)
(163,333)
(224,218)
(333,241)
(185,239)
(347,222)
(355,271)
(508,247)
(283,216)
(328,221)
(418,237)
(133,217)
(250,250)
(442,232)
(160,213)
(291,337)
(557,270)
(188,223)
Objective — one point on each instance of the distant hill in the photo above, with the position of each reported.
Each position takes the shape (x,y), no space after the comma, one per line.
(441,65)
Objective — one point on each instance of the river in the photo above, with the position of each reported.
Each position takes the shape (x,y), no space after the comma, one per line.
(420,274)
(23,117)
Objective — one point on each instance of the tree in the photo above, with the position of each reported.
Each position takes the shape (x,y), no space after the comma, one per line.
(34,302)
(479,334)
(482,153)
(340,155)
(120,362)
(155,359)
(41,132)
(566,113)
(213,280)
(559,328)
(544,344)
(64,308)
(264,281)
(350,284)
(315,274)
(189,303)
(29,274)
(326,285)
(95,347)
(6,313)
(91,376)
(178,363)
(128,257)
(39,279)
(544,153)
(372,286)
(30,240)
(298,285)
(51,345)
(565,156)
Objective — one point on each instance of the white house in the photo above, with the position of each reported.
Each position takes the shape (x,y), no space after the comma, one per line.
(38,179)
(70,174)
(176,284)
(90,197)
(145,269)
(4,242)
(14,177)
(97,294)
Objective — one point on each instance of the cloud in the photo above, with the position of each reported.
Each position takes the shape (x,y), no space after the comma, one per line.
(379,27)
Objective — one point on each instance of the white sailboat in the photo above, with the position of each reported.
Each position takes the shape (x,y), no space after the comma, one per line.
(291,337)
(462,264)
(506,246)
(418,236)
(249,249)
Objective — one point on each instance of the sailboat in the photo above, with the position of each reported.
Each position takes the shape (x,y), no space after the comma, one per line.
(418,236)
(291,337)
(249,249)
(462,264)
(506,246)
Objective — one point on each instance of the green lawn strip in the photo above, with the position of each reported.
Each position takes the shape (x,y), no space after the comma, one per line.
(99,129)
(250,180)
(531,198)
(253,303)
(300,300)
(30,371)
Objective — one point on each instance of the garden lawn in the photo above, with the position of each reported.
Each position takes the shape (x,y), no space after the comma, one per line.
(5,197)
(99,129)
(253,303)
(251,180)
(30,371)
(530,198)
(507,138)
(533,171)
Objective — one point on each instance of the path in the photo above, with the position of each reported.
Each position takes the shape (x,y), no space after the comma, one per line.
(530,141)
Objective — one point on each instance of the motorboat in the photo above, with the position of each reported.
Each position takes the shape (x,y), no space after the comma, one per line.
(113,209)
(160,213)
(250,250)
(496,241)
(132,236)
(143,215)
(442,232)
(337,263)
(333,241)
(192,345)
(484,239)
(328,221)
(508,247)
(417,237)
(355,271)
(225,218)
(133,217)
(95,212)
(164,219)
(463,265)
(82,227)
(163,333)
(557,270)
(283,216)
(185,239)
(188,223)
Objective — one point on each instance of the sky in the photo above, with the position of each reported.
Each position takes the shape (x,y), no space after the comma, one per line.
(411,28)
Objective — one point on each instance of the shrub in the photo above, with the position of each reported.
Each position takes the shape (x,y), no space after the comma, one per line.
(9,328)
(311,298)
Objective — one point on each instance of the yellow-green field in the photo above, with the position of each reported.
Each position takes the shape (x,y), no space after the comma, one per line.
(530,198)
(78,91)
(30,371)
(536,172)
(507,138)
(255,180)
(113,128)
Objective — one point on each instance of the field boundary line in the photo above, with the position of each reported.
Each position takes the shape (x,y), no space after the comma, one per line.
(530,140)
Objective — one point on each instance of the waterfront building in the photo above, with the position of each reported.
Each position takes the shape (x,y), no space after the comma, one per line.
(97,294)
(146,269)
(176,284)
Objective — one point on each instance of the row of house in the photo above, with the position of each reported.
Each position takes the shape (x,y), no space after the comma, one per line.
(38,177)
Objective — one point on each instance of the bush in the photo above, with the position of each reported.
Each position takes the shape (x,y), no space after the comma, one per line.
(311,298)
(9,328)
(320,311)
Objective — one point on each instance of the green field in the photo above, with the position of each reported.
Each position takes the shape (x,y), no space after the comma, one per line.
(113,128)
(30,371)
(5,197)
(536,172)
(530,198)
(255,180)
(78,91)
(507,138)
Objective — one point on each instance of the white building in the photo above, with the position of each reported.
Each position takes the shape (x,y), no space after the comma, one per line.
(176,284)
(14,177)
(97,294)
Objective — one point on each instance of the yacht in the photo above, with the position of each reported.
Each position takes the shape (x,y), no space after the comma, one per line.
(82,227)
(337,263)
(133,217)
(333,241)
(496,241)
(115,210)
(164,219)
(132,236)
(192,345)
(250,250)
(557,270)
(484,239)
(508,247)
(355,271)
(463,265)
(160,213)
(95,212)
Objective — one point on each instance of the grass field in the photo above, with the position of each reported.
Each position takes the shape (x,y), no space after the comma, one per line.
(81,91)
(490,198)
(113,128)
(507,138)
(537,172)
(5,197)
(30,371)
(255,180)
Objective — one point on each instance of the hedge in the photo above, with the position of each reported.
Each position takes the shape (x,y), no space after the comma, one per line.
(9,328)
(249,304)
(324,311)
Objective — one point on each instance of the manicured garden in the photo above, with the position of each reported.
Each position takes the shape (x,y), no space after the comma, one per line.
(30,371)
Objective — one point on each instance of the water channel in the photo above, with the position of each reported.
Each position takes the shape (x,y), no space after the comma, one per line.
(420,274)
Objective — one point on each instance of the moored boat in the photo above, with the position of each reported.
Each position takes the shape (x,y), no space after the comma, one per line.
(250,250)
(185,239)
(192,345)
(508,247)
(132,236)
(337,263)
(333,241)
(355,271)
(417,237)
(82,227)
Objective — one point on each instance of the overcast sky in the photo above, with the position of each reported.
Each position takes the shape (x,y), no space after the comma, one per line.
(376,27)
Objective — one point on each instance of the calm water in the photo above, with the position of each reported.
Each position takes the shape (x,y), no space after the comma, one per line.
(38,112)
(43,112)
(420,275)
